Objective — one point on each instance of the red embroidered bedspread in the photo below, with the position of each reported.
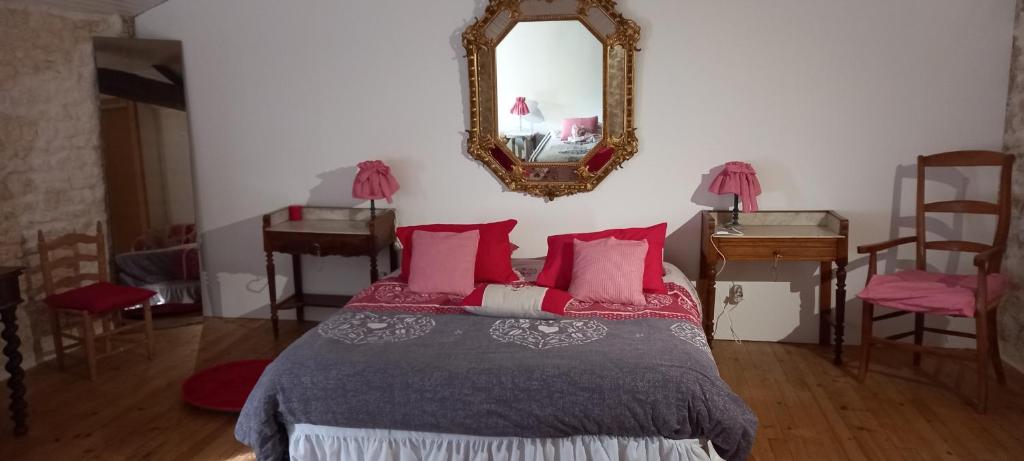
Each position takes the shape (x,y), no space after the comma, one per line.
(391,294)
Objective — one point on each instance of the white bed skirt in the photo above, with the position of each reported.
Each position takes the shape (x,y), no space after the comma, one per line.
(309,442)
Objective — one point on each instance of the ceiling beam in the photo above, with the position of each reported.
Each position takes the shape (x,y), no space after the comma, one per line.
(133,87)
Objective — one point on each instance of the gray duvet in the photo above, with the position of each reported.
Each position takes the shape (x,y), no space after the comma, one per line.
(464,374)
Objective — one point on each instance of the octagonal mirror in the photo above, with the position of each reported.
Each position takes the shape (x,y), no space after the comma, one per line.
(551,93)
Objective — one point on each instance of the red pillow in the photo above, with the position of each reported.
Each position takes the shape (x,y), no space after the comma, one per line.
(493,255)
(557,272)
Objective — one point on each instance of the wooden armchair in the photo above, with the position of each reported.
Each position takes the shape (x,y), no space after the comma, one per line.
(88,297)
(920,292)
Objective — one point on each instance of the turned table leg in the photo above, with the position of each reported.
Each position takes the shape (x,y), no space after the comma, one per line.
(840,314)
(272,288)
(825,317)
(393,257)
(707,282)
(16,382)
(374,273)
(300,310)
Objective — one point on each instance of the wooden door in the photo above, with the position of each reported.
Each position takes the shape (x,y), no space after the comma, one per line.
(125,176)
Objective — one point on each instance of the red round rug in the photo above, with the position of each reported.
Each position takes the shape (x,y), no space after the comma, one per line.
(223,387)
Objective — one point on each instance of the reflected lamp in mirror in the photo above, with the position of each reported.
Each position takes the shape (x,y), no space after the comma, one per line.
(521,109)
(374,181)
(740,180)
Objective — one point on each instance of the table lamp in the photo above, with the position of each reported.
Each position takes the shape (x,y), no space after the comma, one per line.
(374,182)
(521,109)
(739,179)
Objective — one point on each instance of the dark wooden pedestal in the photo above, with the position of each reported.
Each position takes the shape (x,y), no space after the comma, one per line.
(10,298)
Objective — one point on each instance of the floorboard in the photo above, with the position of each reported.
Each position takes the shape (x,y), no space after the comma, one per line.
(808,408)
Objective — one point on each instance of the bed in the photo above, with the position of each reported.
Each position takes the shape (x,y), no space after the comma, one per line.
(400,375)
(551,148)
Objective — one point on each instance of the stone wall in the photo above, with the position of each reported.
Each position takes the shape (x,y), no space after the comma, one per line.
(1012,315)
(51,175)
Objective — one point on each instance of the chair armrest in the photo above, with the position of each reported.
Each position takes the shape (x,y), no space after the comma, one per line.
(876,247)
(983,261)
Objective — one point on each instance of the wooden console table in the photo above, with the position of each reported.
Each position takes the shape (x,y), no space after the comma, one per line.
(324,232)
(10,297)
(779,236)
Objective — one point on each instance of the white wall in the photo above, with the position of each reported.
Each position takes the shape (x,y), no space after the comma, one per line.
(558,66)
(826,98)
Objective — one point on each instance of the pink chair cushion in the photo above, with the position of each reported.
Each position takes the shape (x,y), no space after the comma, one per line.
(609,271)
(99,297)
(931,292)
(443,262)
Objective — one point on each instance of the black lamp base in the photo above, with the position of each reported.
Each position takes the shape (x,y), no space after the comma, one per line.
(735,223)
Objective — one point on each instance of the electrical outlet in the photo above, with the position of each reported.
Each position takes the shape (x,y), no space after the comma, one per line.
(735,295)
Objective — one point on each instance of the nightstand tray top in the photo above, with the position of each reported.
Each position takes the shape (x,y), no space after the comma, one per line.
(801,231)
(330,221)
(781,224)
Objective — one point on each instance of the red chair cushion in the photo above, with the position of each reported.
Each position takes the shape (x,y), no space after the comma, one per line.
(99,297)
(931,292)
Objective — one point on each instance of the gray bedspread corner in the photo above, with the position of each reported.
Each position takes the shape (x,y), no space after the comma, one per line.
(259,426)
(463,374)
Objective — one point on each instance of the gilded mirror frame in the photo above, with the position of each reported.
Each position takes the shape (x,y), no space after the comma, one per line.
(619,37)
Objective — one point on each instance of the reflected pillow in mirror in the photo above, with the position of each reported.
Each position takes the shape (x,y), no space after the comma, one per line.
(609,271)
(558,264)
(443,262)
(493,257)
(587,123)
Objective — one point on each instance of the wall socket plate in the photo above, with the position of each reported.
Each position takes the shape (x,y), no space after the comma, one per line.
(735,295)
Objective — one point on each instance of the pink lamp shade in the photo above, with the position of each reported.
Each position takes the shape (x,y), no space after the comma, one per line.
(738,178)
(374,181)
(520,108)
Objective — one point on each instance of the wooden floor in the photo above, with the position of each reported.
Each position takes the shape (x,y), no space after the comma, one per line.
(808,408)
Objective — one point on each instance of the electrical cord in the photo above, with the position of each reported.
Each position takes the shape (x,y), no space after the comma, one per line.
(732,301)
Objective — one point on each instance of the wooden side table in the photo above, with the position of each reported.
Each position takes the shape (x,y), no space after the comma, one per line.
(521,143)
(779,236)
(324,231)
(10,298)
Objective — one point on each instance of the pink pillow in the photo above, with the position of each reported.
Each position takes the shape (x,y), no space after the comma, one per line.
(443,262)
(609,271)
(588,123)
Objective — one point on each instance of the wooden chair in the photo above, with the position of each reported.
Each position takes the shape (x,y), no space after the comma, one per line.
(938,294)
(76,296)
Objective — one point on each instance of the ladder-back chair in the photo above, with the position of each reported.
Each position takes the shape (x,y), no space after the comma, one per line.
(78,294)
(920,292)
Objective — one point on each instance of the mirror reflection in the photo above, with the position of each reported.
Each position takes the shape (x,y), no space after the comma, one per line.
(550,80)
(147,163)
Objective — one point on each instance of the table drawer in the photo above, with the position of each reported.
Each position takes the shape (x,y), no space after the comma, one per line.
(318,244)
(782,249)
